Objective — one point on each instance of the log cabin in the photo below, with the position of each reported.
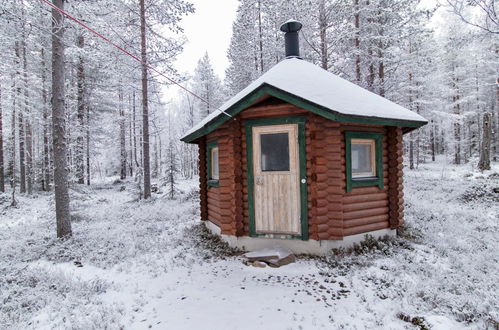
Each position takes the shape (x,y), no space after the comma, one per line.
(302,158)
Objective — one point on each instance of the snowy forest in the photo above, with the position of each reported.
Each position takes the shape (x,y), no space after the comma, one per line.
(79,106)
(399,50)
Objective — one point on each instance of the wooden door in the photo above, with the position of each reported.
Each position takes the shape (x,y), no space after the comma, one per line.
(276,174)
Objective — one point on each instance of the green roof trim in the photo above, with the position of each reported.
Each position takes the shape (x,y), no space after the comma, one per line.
(331,114)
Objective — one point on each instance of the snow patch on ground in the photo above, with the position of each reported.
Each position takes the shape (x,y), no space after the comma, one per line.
(140,264)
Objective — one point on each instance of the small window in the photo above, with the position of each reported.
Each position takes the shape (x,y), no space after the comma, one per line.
(213,173)
(214,163)
(275,152)
(364,159)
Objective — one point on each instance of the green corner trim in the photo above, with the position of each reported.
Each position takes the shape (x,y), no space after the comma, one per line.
(209,147)
(300,121)
(266,89)
(363,182)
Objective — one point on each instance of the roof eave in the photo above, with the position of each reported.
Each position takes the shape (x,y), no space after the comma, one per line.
(266,89)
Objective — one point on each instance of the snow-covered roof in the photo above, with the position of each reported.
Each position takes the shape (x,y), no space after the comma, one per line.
(318,87)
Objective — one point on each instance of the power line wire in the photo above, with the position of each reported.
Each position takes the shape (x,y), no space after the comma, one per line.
(64,13)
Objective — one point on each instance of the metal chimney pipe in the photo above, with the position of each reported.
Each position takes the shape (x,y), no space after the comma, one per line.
(291,42)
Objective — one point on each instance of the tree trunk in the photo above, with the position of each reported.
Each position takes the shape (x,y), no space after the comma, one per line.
(323,34)
(22,156)
(130,142)
(134,127)
(160,170)
(28,128)
(484,163)
(12,165)
(155,156)
(411,151)
(495,132)
(88,145)
(372,74)
(457,132)
(59,125)
(457,125)
(145,111)
(80,115)
(381,72)
(46,128)
(260,34)
(2,171)
(411,135)
(432,140)
(20,119)
(123,155)
(381,63)
(357,42)
(12,161)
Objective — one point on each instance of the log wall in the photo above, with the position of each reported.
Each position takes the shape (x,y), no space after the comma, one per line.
(225,202)
(332,212)
(365,208)
(395,176)
(203,184)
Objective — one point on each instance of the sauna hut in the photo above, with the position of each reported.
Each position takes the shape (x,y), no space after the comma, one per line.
(302,158)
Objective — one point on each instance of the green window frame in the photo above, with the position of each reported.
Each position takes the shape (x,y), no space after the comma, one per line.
(377,180)
(212,182)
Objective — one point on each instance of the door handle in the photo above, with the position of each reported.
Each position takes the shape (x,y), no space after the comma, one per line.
(259,180)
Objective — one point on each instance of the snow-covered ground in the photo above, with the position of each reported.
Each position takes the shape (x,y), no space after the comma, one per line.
(137,265)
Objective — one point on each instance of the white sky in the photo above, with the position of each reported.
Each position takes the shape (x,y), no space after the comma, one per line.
(208,29)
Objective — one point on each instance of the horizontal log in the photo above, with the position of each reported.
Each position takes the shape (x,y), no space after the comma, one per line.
(213,210)
(322,228)
(224,208)
(329,167)
(214,214)
(325,212)
(326,142)
(335,233)
(323,194)
(330,151)
(214,220)
(356,127)
(335,223)
(228,226)
(321,219)
(365,221)
(365,213)
(323,236)
(284,109)
(331,179)
(313,236)
(365,228)
(212,196)
(364,190)
(349,199)
(365,205)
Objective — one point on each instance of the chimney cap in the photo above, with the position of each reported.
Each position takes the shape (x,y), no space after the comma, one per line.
(291,26)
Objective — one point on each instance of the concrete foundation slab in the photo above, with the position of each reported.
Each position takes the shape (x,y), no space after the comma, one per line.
(297,246)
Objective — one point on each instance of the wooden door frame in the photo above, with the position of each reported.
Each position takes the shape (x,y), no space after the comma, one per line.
(300,121)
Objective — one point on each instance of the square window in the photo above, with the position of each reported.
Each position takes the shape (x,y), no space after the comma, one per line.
(364,159)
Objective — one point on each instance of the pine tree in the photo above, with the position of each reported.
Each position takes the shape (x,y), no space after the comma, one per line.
(58,125)
(206,85)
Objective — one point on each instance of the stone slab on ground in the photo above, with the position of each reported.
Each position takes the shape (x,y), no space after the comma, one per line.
(274,257)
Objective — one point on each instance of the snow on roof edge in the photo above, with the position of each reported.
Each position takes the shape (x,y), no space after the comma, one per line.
(323,89)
